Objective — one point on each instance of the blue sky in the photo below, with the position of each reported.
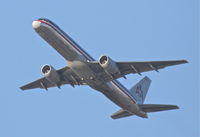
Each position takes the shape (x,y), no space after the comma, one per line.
(129,30)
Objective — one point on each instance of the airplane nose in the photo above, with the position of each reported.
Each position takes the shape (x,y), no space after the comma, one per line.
(36,24)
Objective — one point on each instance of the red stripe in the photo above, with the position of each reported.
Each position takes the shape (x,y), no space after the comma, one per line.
(72,44)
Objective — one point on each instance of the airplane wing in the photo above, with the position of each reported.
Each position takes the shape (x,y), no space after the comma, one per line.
(67,77)
(144,107)
(134,67)
(138,67)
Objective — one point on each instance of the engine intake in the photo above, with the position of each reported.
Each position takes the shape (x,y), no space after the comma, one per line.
(51,74)
(109,65)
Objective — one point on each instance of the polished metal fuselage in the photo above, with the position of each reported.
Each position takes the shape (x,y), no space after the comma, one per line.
(78,61)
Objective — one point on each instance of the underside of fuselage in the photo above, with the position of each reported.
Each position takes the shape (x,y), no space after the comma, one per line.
(78,62)
(100,75)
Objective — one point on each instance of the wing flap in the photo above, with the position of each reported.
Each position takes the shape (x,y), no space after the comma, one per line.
(156,107)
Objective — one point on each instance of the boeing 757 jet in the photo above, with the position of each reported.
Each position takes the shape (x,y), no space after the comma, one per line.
(100,75)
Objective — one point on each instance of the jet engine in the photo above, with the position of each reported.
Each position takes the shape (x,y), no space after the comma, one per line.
(51,74)
(109,65)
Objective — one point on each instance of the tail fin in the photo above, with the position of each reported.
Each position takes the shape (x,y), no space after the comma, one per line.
(139,91)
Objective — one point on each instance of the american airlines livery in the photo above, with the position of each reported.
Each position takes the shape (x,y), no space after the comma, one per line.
(100,75)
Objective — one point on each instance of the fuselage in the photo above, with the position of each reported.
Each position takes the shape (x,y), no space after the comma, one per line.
(78,61)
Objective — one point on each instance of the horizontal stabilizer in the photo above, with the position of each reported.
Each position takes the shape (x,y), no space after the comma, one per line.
(156,107)
(145,108)
(120,114)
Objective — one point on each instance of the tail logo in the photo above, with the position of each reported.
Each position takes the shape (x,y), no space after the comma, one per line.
(138,91)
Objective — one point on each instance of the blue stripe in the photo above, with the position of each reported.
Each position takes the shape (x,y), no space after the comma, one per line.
(71,41)
(116,83)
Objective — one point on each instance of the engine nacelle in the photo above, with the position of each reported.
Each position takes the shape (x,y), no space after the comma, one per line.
(51,75)
(109,65)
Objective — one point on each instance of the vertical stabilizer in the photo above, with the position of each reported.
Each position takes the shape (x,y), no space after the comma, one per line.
(139,91)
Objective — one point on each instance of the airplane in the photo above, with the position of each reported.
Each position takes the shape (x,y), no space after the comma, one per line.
(100,75)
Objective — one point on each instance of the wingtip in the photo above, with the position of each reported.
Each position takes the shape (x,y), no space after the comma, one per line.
(185,61)
(21,88)
(174,107)
(112,117)
(177,107)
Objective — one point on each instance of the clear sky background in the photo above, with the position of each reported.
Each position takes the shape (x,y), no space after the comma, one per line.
(129,30)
